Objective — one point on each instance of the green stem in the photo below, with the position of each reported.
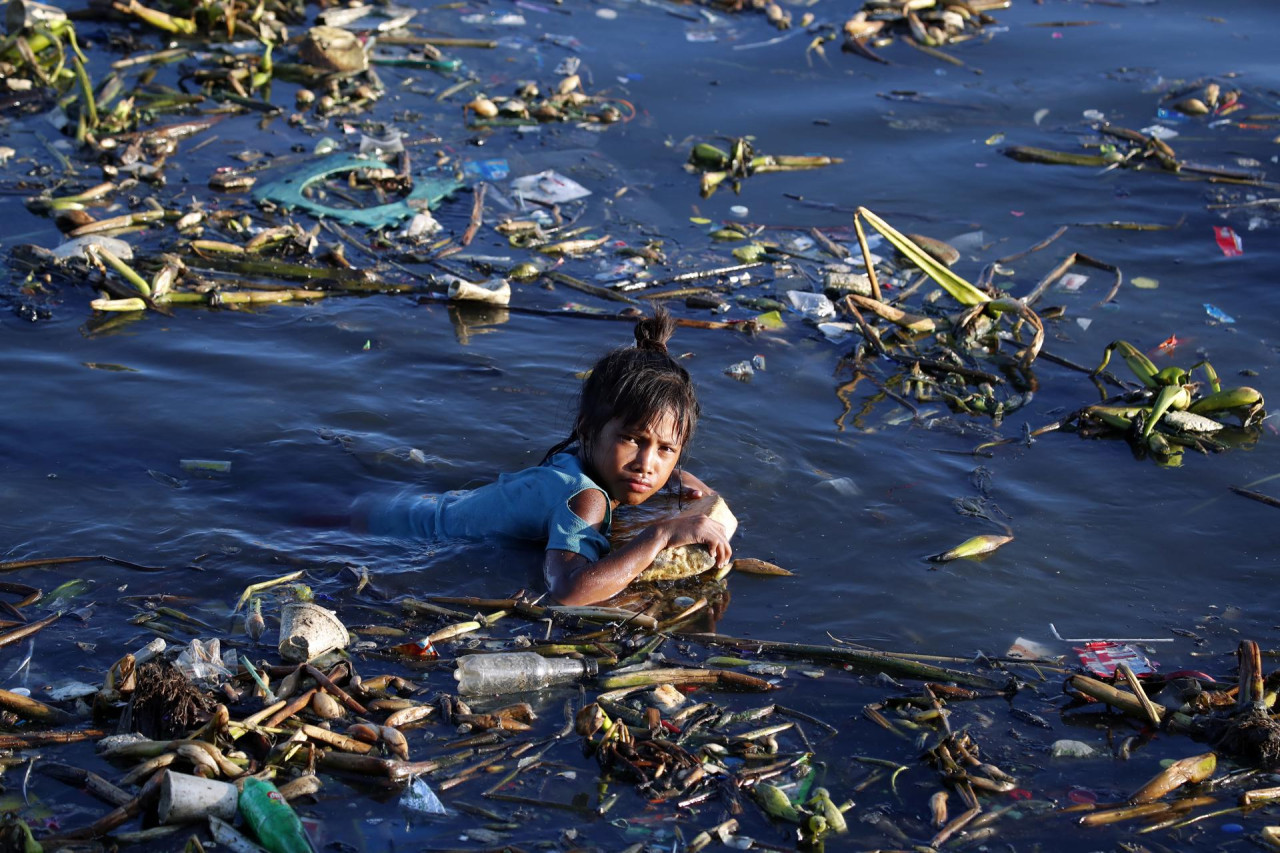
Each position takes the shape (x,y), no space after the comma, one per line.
(86,93)
(126,272)
(861,660)
(1029,154)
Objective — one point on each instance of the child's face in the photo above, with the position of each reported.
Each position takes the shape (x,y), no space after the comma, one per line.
(633,461)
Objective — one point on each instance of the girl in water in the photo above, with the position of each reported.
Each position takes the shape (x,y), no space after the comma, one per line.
(636,414)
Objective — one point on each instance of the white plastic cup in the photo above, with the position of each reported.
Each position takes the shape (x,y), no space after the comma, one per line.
(308,631)
(186,799)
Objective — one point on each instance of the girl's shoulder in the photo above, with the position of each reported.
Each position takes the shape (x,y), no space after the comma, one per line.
(562,472)
(566,463)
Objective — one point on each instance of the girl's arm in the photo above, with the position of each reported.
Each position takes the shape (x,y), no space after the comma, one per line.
(573,579)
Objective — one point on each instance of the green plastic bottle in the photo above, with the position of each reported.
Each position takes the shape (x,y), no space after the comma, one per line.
(272,819)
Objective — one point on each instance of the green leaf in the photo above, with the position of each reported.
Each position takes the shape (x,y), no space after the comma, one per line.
(975,547)
(959,289)
(66,592)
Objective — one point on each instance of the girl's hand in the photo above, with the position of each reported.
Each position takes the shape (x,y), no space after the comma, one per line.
(699,530)
(691,488)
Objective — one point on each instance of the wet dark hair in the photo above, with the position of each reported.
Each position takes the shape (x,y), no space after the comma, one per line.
(638,385)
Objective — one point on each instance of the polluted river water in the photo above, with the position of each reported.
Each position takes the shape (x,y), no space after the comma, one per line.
(312,405)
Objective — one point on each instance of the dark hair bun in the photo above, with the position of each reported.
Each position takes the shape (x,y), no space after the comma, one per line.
(652,333)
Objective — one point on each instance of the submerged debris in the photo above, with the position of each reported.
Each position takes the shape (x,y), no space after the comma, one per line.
(382,718)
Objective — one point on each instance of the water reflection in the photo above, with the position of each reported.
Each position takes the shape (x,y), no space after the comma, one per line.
(475,318)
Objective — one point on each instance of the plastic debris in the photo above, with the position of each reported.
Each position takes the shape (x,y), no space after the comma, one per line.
(509,19)
(271,818)
(418,649)
(150,650)
(308,631)
(513,672)
(549,187)
(419,797)
(770,670)
(1144,283)
(1228,241)
(202,660)
(770,321)
(421,226)
(1025,649)
(495,291)
(1073,281)
(185,799)
(1218,314)
(1071,749)
(78,247)
(741,371)
(621,271)
(857,259)
(428,191)
(371,146)
(1101,658)
(836,331)
(72,690)
(497,169)
(815,306)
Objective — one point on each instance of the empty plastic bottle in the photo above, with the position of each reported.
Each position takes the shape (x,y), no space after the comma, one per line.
(510,672)
(272,819)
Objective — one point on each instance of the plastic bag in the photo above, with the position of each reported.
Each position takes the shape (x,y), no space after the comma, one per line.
(202,660)
(419,797)
(815,306)
(549,187)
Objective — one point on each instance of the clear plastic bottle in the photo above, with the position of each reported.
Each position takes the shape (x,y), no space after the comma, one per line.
(510,672)
(272,819)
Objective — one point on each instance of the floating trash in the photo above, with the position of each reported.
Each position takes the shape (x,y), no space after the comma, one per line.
(1218,314)
(1228,241)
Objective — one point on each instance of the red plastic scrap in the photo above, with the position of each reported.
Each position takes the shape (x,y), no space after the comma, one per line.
(1192,673)
(418,649)
(1101,659)
(1082,796)
(1228,241)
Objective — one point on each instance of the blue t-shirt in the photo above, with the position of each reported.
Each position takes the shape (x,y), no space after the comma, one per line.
(530,504)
